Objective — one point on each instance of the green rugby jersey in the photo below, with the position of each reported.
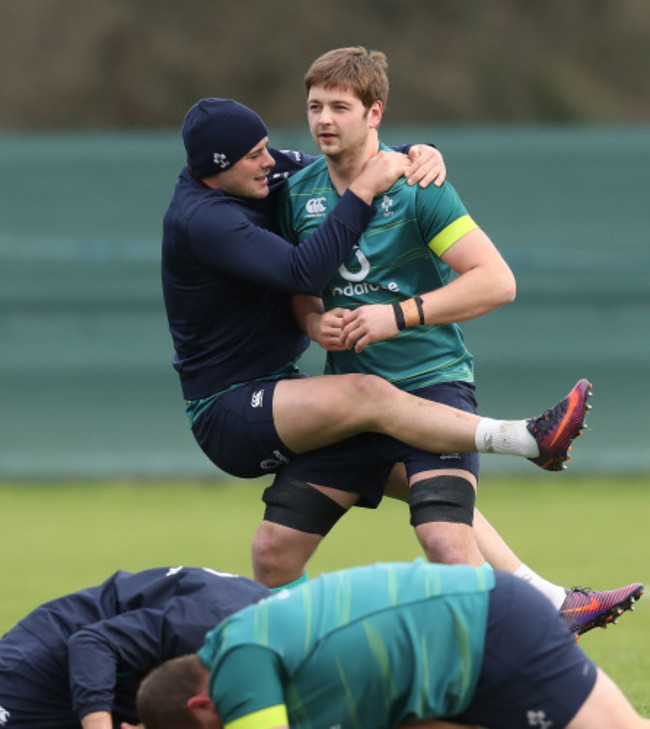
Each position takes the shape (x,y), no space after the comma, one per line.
(365,647)
(398,257)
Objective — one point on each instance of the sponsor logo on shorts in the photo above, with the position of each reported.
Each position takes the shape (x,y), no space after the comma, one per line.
(270,464)
(257,399)
(538,718)
(4,716)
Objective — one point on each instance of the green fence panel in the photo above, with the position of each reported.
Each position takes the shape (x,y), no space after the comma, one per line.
(86,383)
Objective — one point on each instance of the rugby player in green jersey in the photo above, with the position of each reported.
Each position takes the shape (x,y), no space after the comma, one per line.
(421,265)
(386,646)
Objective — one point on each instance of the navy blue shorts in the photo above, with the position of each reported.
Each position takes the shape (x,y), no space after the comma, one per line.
(362,464)
(237,433)
(533,673)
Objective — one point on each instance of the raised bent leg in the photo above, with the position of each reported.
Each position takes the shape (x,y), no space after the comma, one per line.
(317,411)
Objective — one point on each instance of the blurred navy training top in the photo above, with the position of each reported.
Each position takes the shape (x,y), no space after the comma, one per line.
(228,278)
(88,651)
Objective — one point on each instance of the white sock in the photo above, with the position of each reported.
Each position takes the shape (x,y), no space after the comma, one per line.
(509,437)
(555,593)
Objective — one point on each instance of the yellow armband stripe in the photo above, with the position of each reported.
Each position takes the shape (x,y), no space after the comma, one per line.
(268,718)
(449,235)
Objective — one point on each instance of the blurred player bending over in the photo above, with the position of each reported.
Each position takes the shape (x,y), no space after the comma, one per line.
(77,661)
(392,645)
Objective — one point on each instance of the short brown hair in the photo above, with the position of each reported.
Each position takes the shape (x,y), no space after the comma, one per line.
(164,693)
(356,69)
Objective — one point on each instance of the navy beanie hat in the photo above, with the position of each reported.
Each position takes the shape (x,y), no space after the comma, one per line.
(219,132)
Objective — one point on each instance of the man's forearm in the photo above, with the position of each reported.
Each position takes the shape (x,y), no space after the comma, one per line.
(97,720)
(305,310)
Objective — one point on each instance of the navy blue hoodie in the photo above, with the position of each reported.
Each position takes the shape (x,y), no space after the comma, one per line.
(228,278)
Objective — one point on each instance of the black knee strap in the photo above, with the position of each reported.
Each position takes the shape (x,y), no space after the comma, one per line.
(442,498)
(298,505)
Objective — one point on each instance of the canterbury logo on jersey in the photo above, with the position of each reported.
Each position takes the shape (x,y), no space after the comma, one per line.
(4,716)
(316,207)
(257,399)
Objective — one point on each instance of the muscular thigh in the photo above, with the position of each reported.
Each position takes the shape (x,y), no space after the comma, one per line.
(317,411)
(362,464)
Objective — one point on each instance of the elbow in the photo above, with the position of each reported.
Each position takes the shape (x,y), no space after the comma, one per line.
(510,292)
(306,288)
(506,291)
(305,284)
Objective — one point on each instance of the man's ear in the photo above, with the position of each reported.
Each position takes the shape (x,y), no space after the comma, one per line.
(375,113)
(199,701)
(202,709)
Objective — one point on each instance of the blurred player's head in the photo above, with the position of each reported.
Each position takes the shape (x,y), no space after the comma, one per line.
(226,145)
(175,696)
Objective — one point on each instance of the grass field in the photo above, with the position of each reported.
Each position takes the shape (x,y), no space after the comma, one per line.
(57,538)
